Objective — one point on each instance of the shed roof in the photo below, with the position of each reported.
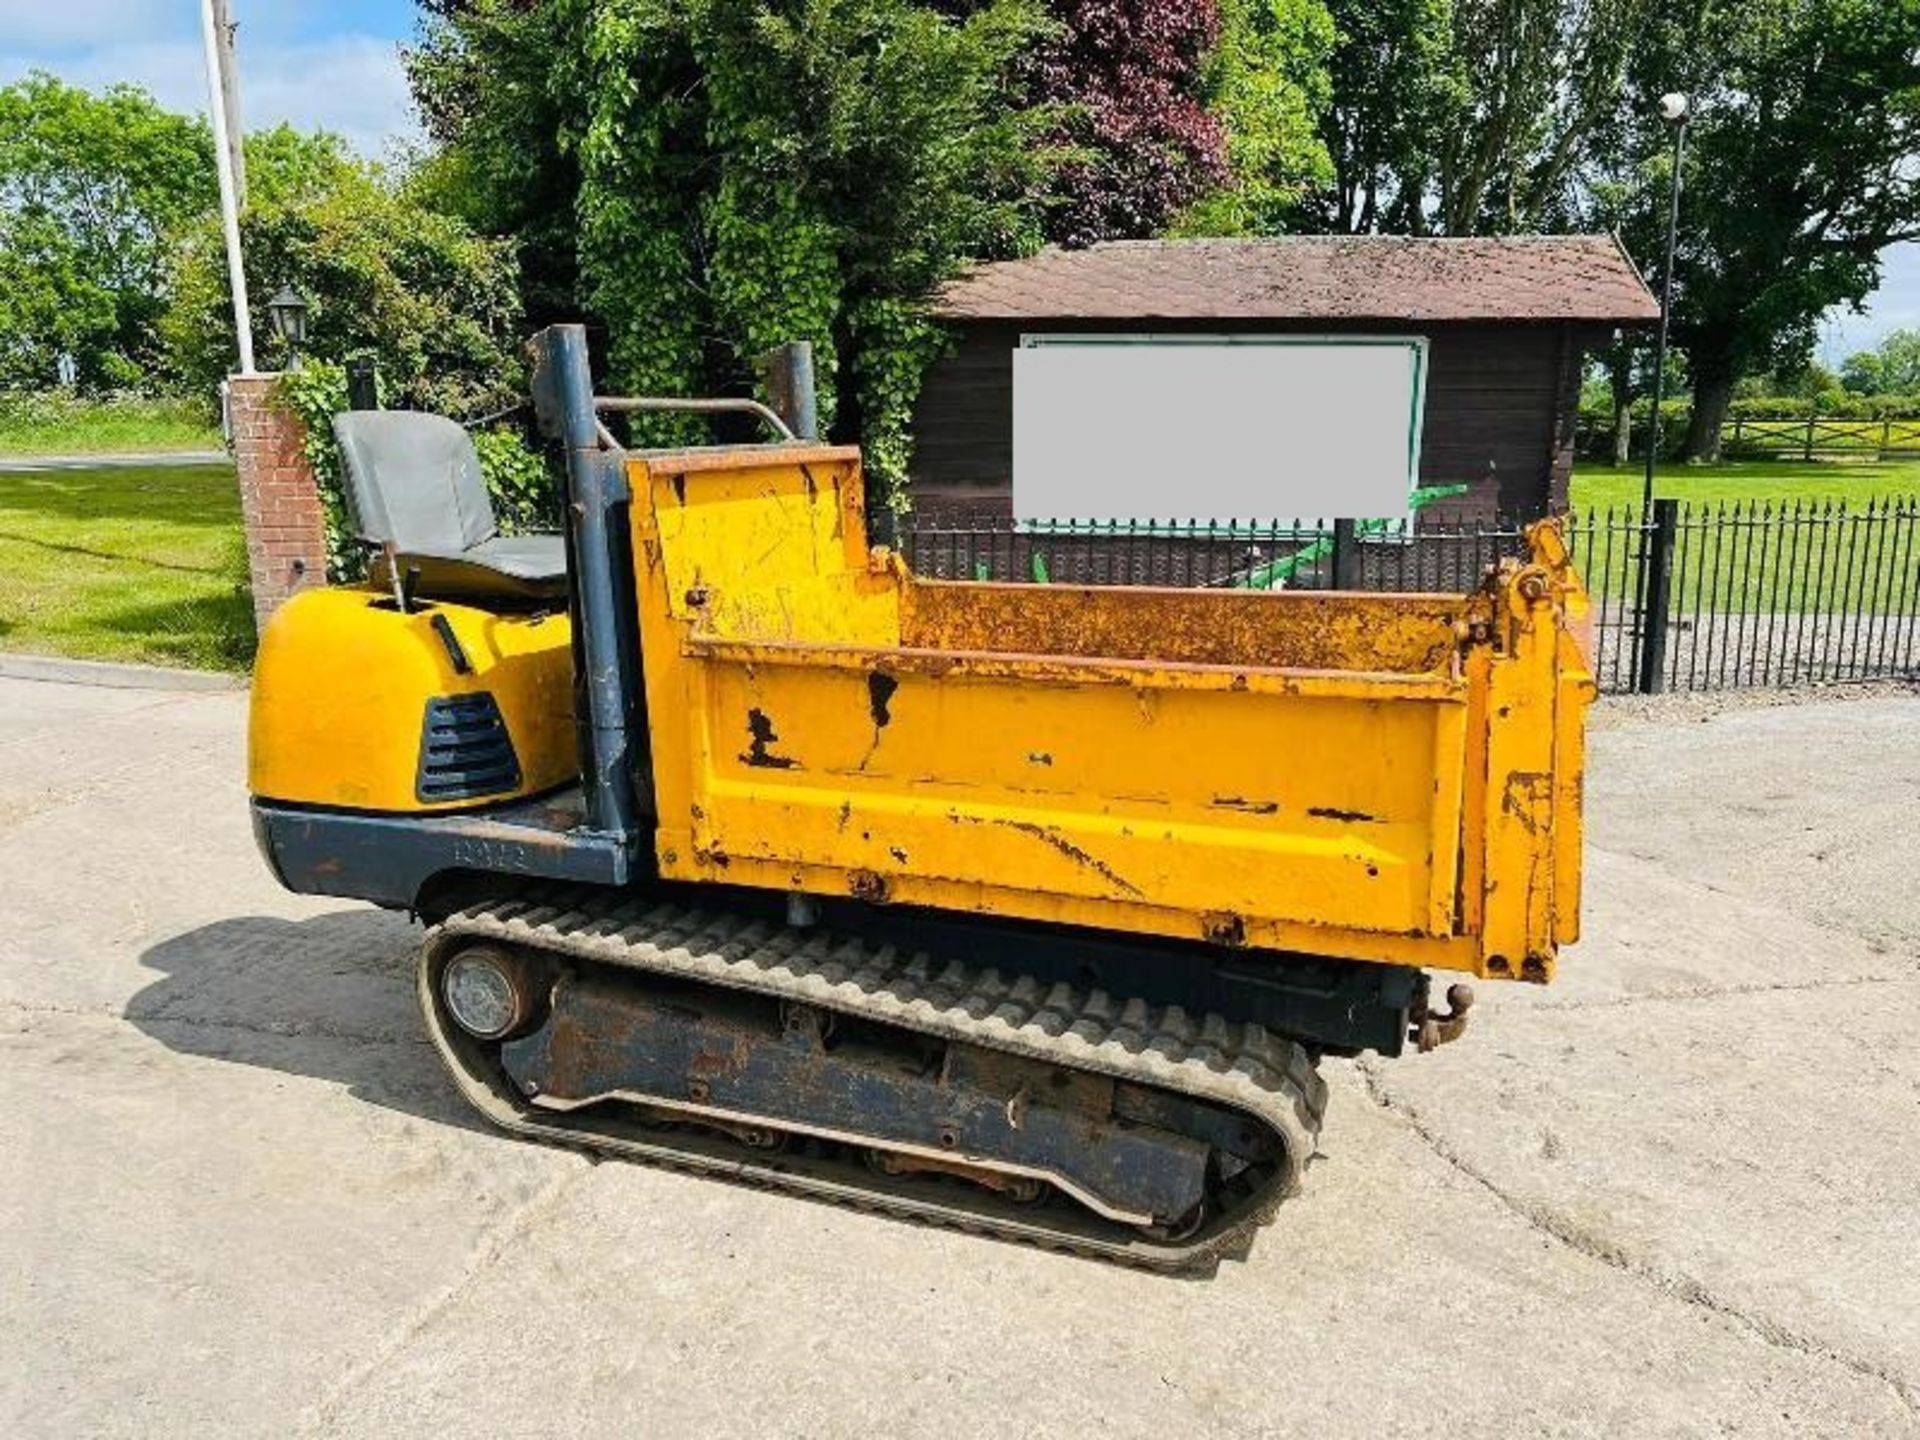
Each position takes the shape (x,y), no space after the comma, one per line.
(1314,277)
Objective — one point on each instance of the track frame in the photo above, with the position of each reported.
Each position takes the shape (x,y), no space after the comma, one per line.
(1242,1067)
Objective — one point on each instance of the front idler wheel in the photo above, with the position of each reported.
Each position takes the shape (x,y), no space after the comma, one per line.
(491,993)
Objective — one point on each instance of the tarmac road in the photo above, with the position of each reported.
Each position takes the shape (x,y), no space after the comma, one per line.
(140,460)
(1675,1193)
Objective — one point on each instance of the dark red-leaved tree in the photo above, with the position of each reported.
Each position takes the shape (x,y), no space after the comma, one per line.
(1128,72)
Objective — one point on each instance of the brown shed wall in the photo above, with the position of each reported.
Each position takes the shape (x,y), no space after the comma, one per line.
(1501,403)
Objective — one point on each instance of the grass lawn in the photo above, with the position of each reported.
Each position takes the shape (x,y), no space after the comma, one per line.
(141,565)
(1596,486)
(58,425)
(150,564)
(1731,562)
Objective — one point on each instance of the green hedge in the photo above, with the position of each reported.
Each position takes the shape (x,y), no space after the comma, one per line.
(1830,405)
(1594,435)
(50,422)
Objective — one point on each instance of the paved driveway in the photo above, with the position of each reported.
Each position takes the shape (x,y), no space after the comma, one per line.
(1674,1194)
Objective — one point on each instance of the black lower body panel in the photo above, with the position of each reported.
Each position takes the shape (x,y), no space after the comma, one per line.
(393,860)
(435,863)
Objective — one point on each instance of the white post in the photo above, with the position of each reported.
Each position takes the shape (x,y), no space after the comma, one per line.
(223,28)
(229,208)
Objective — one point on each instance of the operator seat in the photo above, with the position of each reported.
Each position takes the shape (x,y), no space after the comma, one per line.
(414,484)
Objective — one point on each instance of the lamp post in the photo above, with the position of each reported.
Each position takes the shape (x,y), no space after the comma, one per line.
(1674,110)
(288,311)
(223,153)
(1657,520)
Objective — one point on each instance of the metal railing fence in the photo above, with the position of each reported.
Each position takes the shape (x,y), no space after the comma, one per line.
(1693,596)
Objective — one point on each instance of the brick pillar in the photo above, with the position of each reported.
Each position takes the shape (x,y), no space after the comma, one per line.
(279,498)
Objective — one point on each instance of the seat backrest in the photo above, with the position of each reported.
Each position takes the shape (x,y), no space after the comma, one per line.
(414,481)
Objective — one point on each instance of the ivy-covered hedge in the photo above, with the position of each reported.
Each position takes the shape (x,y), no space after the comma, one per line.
(731,176)
(524,488)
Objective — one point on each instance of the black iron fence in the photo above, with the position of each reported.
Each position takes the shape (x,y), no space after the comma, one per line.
(1692,596)
(1187,554)
(1757,593)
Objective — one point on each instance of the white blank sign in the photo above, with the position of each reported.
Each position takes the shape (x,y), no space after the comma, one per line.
(1281,431)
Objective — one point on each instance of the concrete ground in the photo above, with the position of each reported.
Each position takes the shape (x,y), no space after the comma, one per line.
(1673,1194)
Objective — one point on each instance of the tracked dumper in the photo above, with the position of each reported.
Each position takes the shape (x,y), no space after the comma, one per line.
(1026,909)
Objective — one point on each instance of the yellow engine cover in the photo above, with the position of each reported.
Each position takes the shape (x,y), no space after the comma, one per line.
(342,686)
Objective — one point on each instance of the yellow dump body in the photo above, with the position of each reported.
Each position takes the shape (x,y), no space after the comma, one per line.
(1380,777)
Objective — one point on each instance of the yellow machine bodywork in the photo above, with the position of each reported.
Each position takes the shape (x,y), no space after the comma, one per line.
(1026,908)
(1372,776)
(342,684)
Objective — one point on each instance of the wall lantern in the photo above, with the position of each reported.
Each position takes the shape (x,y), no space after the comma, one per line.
(288,311)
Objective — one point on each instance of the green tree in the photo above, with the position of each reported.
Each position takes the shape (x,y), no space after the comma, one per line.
(1801,171)
(1268,83)
(1530,82)
(1393,83)
(93,190)
(50,305)
(436,305)
(739,172)
(1806,379)
(503,97)
(1466,117)
(286,166)
(1621,186)
(1890,368)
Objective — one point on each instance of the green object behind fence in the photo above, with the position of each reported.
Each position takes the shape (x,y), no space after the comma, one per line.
(1269,576)
(1276,574)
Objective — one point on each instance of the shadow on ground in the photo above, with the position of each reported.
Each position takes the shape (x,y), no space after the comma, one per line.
(115,557)
(211,630)
(330,998)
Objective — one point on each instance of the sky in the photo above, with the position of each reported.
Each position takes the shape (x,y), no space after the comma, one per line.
(328,63)
(1895,306)
(335,64)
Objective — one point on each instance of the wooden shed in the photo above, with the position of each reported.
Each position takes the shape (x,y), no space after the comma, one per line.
(1507,322)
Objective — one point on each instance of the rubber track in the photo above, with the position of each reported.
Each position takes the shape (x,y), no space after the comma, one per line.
(1241,1066)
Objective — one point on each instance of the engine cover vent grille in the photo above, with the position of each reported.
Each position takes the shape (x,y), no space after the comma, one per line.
(465,751)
